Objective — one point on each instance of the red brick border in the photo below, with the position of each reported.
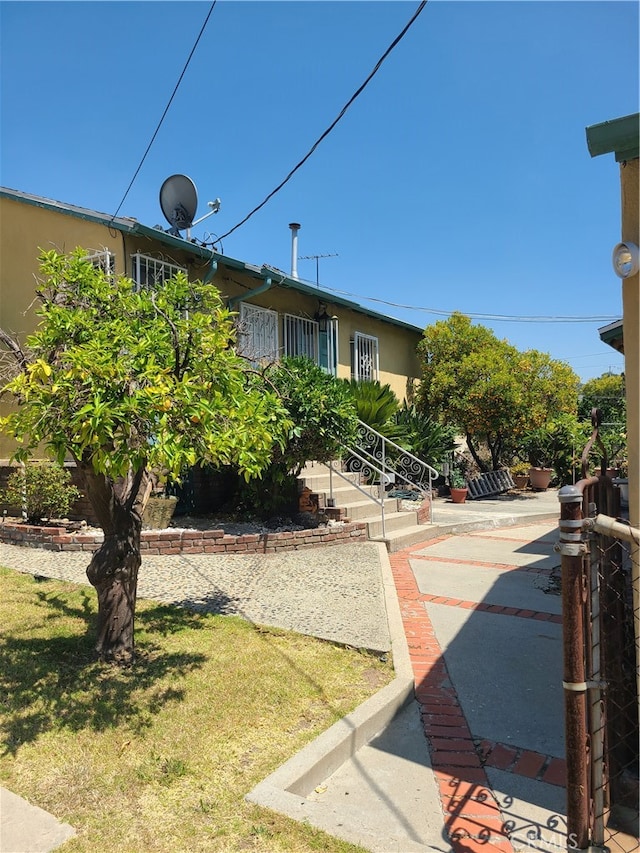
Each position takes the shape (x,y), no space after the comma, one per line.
(178,541)
(473,820)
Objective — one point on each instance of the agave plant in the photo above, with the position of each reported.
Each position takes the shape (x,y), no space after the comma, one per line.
(428,439)
(378,406)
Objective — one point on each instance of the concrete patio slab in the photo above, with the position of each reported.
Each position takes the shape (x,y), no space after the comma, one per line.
(25,828)
(507,672)
(489,550)
(506,588)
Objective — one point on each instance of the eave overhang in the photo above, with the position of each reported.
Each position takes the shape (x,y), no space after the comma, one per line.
(620,136)
(132,228)
(613,336)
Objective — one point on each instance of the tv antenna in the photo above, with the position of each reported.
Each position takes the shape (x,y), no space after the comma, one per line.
(179,202)
(316,258)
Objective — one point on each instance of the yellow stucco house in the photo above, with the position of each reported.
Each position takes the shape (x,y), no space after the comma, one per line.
(277,313)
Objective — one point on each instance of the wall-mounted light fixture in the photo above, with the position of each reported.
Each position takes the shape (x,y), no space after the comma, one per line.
(322,318)
(625,259)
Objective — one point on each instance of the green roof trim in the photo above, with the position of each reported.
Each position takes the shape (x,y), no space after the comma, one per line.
(133,227)
(613,335)
(620,136)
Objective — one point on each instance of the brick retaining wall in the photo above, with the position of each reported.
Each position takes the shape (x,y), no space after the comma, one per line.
(177,541)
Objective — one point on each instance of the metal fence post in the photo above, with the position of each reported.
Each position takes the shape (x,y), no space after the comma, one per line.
(572,551)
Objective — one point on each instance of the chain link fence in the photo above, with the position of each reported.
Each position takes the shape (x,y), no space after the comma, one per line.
(600,612)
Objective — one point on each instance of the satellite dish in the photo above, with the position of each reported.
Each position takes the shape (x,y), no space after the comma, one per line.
(179,202)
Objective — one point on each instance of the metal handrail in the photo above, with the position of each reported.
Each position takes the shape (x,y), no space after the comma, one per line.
(378,500)
(405,465)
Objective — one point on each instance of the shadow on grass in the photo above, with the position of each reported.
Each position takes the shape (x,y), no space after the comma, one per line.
(54,682)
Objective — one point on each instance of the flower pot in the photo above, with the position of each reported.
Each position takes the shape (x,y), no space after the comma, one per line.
(158,512)
(622,483)
(521,481)
(540,478)
(458,496)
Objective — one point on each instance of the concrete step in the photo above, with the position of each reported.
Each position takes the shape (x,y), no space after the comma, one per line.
(393,521)
(347,495)
(320,481)
(401,527)
(358,510)
(396,540)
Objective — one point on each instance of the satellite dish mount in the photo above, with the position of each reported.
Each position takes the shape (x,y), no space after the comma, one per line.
(179,202)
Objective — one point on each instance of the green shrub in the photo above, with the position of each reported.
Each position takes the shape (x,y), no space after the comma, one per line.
(46,487)
(324,417)
(377,406)
(557,445)
(428,439)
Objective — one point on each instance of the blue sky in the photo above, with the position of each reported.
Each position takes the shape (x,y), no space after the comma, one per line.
(459,179)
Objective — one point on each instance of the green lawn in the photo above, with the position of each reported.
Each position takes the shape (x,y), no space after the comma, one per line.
(160,756)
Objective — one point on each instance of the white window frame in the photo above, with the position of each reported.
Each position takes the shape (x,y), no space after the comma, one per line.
(258,333)
(365,357)
(147,271)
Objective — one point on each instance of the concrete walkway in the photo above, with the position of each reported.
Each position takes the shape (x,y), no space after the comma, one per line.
(475,761)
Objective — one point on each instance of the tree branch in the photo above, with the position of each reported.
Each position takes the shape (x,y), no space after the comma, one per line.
(174,334)
(14,347)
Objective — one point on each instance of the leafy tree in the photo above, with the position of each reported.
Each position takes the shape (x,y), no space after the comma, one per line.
(127,382)
(487,389)
(606,393)
(325,418)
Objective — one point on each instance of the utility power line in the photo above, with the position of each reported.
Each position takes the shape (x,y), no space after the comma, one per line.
(326,133)
(166,109)
(603,318)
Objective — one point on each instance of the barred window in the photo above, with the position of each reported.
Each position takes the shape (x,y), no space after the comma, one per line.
(258,333)
(103,260)
(365,363)
(151,272)
(301,337)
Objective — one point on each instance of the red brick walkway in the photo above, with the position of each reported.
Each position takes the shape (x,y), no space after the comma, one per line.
(472,816)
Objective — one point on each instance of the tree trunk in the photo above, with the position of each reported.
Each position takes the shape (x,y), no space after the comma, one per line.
(113,569)
(474,453)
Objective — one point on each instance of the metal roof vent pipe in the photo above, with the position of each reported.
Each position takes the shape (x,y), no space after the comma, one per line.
(295,227)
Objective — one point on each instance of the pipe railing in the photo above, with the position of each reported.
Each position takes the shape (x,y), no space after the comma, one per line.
(379,500)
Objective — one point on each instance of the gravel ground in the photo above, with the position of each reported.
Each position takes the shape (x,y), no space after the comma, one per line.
(334,593)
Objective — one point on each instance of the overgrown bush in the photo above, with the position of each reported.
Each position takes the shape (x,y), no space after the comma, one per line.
(45,488)
(428,439)
(324,417)
(378,407)
(558,445)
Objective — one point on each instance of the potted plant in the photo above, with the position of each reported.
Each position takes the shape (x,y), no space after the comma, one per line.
(621,482)
(520,473)
(458,487)
(160,506)
(539,447)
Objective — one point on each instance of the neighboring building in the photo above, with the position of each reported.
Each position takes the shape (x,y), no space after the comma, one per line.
(278,314)
(612,334)
(621,137)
